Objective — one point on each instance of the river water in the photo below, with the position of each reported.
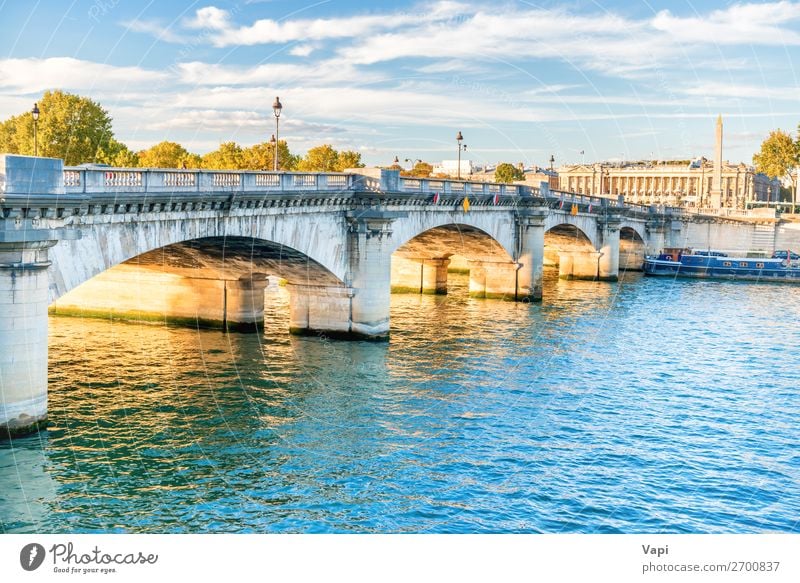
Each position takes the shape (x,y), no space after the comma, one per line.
(647,405)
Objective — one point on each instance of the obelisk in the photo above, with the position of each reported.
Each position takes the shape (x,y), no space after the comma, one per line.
(715,196)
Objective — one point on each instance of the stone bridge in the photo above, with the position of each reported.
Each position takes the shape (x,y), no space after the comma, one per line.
(200,247)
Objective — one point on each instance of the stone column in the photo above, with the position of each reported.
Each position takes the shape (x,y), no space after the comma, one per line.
(578,264)
(434,276)
(32,191)
(320,310)
(419,275)
(369,247)
(656,230)
(608,264)
(244,303)
(531,258)
(23,336)
(715,196)
(493,279)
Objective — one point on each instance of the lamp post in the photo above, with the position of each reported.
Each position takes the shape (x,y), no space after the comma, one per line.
(274,143)
(459,139)
(276,109)
(552,161)
(35,114)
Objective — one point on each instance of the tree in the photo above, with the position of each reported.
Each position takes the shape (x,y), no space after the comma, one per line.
(348,159)
(320,159)
(325,158)
(70,127)
(779,157)
(262,157)
(166,155)
(420,170)
(229,156)
(117,154)
(506,172)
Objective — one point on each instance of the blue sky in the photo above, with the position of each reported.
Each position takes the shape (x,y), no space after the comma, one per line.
(520,80)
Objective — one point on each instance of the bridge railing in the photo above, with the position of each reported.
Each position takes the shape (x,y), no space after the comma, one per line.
(460,187)
(102,180)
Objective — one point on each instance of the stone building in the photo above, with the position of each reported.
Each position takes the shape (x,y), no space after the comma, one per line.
(670,184)
(698,183)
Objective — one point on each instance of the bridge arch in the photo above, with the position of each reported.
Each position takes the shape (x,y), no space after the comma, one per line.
(632,249)
(208,282)
(421,264)
(317,236)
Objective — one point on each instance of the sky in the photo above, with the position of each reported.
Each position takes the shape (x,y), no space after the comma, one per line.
(523,81)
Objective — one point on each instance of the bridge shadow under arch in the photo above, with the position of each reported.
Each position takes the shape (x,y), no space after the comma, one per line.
(632,250)
(422,264)
(564,238)
(207,282)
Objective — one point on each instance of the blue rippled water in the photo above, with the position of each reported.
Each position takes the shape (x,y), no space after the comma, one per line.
(643,406)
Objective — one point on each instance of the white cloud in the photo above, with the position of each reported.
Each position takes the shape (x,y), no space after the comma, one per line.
(209,17)
(276,74)
(36,75)
(156,29)
(301,50)
(763,24)
(713,90)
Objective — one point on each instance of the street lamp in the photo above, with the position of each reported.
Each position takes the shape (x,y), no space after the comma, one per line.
(276,108)
(274,143)
(459,139)
(35,114)
(552,161)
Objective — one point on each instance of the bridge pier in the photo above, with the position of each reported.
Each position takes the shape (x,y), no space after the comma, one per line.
(529,277)
(493,279)
(23,336)
(608,263)
(320,310)
(578,264)
(26,235)
(631,256)
(419,276)
(370,272)
(132,292)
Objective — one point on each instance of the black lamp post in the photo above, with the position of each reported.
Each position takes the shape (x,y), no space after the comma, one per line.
(459,139)
(552,161)
(35,114)
(276,108)
(274,143)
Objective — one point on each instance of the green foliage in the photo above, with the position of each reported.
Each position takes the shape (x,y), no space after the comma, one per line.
(117,154)
(348,159)
(262,157)
(165,155)
(70,127)
(229,156)
(506,172)
(326,159)
(320,159)
(420,170)
(778,155)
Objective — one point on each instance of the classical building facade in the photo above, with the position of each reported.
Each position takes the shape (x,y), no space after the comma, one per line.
(699,183)
(688,185)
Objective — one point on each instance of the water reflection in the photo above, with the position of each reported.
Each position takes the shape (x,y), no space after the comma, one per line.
(602,409)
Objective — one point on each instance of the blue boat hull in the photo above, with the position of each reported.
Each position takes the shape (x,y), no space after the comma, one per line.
(729,268)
